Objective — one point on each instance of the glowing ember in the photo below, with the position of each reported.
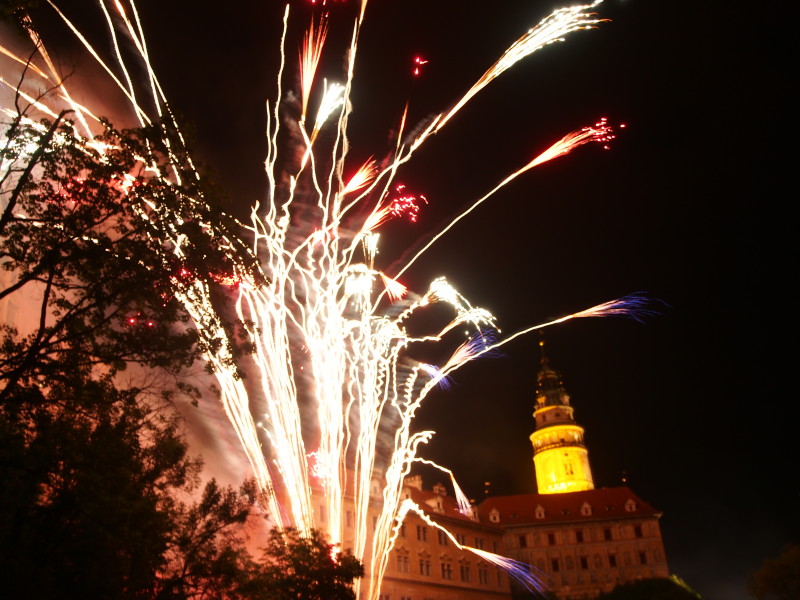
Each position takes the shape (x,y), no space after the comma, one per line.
(419,62)
(406,203)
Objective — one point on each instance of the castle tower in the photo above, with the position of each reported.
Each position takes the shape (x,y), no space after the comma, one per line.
(559,454)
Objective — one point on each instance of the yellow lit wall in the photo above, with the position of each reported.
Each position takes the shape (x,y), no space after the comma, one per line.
(560,460)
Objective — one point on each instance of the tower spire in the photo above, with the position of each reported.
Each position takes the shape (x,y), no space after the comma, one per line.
(560,458)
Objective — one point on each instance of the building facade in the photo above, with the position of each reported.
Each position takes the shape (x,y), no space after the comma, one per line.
(578,540)
(427,565)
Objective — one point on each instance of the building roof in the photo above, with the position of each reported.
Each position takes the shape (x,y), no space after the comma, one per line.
(434,502)
(540,509)
(437,503)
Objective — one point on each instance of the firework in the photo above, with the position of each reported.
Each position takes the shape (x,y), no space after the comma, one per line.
(331,369)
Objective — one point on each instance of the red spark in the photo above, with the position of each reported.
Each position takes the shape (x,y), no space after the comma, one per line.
(406,203)
(418,63)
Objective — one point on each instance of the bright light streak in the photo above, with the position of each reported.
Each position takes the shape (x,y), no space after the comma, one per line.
(310,55)
(330,370)
(551,29)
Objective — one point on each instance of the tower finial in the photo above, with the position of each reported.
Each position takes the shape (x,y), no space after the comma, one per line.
(543,359)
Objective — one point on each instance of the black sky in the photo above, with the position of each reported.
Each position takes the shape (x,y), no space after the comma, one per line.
(690,205)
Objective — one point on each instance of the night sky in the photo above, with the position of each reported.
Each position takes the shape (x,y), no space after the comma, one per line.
(690,205)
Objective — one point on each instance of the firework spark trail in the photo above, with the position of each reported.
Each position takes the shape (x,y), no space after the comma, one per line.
(310,55)
(551,29)
(600,132)
(523,573)
(325,343)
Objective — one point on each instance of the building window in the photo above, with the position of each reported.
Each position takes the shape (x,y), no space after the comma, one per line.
(447,570)
(637,531)
(464,572)
(643,558)
(461,538)
(612,560)
(424,566)
(568,468)
(523,541)
(402,563)
(585,562)
(479,543)
(579,536)
(442,537)
(422,533)
(402,530)
(551,539)
(483,575)
(554,566)
(607,535)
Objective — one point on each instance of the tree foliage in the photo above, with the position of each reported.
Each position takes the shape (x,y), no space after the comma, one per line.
(672,588)
(97,481)
(103,247)
(779,577)
(299,568)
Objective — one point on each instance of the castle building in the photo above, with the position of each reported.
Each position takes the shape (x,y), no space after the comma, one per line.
(579,540)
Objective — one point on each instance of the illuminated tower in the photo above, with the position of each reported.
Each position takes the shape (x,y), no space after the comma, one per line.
(559,454)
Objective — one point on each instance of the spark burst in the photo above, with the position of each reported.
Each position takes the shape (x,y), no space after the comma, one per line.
(331,348)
